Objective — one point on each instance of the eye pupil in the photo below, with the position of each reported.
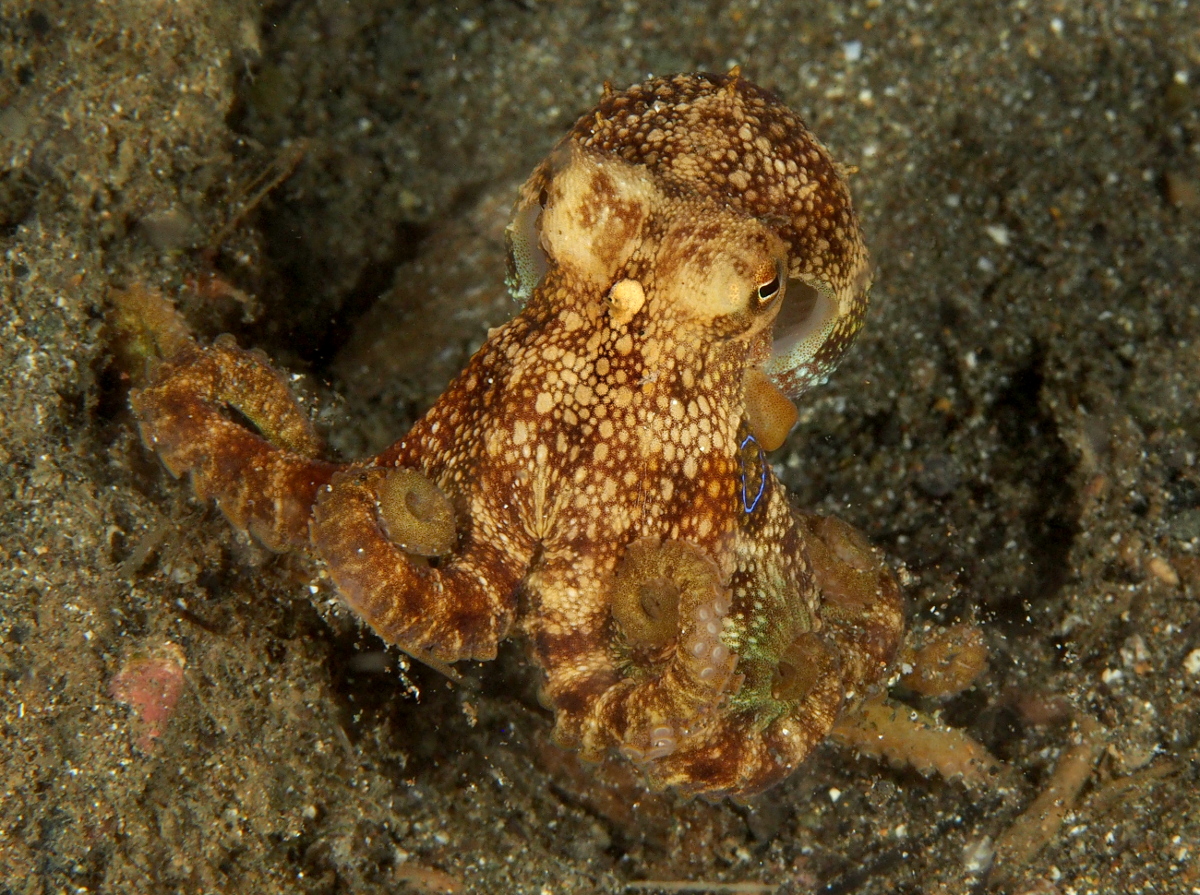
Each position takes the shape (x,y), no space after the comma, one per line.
(767,291)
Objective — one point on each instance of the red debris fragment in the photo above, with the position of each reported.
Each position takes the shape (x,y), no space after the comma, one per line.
(150,685)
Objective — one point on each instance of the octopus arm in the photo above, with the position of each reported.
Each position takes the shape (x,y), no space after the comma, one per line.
(861,606)
(640,681)
(225,417)
(459,609)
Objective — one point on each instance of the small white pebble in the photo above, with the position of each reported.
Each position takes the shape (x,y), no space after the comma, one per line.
(834,794)
(978,856)
(1162,570)
(852,50)
(1056,25)
(999,234)
(1191,662)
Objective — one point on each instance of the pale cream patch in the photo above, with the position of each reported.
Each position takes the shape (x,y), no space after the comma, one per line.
(625,299)
(593,220)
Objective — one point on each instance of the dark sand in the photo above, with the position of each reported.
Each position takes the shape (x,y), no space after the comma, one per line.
(1018,429)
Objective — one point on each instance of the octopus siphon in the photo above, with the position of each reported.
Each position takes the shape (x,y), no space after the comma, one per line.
(688,262)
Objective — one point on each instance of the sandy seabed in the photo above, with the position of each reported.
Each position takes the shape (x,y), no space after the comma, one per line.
(1017,429)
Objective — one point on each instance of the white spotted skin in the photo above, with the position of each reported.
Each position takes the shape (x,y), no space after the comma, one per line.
(608,419)
(613,410)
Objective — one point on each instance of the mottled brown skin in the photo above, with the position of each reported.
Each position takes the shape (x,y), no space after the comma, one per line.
(601,452)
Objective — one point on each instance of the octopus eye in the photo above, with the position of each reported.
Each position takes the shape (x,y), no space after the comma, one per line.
(770,282)
(767,291)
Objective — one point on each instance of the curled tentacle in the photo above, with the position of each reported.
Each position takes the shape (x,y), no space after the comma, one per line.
(416,514)
(949,662)
(784,707)
(224,416)
(148,329)
(801,668)
(861,603)
(738,749)
(911,738)
(669,603)
(460,609)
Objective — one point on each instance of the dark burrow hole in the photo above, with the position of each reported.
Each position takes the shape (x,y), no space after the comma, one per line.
(415,730)
(1034,458)
(293,326)
(373,701)
(309,309)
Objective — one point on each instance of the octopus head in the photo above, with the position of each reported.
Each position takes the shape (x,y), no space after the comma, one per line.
(708,194)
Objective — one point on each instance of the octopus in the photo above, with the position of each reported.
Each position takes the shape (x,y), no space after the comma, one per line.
(688,262)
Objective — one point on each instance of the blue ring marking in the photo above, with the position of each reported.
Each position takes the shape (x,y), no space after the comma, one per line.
(749,505)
